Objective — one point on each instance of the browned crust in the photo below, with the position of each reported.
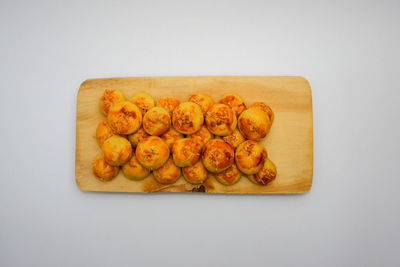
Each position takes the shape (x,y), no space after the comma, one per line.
(235,139)
(183,118)
(202,136)
(168,103)
(264,107)
(171,137)
(103,170)
(109,98)
(195,174)
(152,152)
(156,122)
(138,137)
(186,150)
(254,124)
(234,102)
(218,154)
(168,173)
(230,175)
(103,132)
(125,119)
(220,118)
(265,176)
(204,101)
(250,154)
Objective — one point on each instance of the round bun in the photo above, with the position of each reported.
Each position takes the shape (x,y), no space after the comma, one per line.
(169,103)
(195,174)
(221,120)
(124,118)
(204,101)
(103,132)
(266,175)
(152,152)
(143,101)
(230,176)
(187,118)
(117,150)
(250,156)
(254,124)
(171,137)
(202,136)
(137,137)
(109,98)
(168,173)
(217,155)
(235,139)
(264,107)
(104,171)
(134,171)
(156,121)
(186,152)
(235,102)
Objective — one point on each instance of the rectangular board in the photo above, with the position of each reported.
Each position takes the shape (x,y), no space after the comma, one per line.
(289,142)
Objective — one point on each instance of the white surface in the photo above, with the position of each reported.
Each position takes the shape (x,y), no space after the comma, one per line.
(349,52)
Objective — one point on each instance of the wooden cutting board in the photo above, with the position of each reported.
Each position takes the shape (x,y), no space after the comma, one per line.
(289,143)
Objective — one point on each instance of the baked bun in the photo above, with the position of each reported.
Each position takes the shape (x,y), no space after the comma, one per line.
(264,107)
(152,152)
(171,136)
(235,102)
(221,120)
(217,155)
(195,174)
(230,176)
(104,171)
(235,139)
(254,123)
(186,152)
(103,132)
(124,118)
(156,121)
(169,103)
(109,98)
(250,156)
(187,118)
(266,175)
(204,101)
(202,136)
(117,150)
(143,101)
(134,171)
(137,137)
(168,173)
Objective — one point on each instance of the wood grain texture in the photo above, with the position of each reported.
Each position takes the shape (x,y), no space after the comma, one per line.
(289,143)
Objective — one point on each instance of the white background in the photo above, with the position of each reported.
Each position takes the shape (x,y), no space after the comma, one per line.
(349,52)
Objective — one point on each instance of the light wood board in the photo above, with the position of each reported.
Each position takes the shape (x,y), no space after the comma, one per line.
(289,143)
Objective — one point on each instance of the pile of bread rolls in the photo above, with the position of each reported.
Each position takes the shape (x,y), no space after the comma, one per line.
(197,138)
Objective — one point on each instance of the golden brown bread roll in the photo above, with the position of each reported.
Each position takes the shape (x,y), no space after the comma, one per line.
(156,121)
(109,98)
(254,123)
(124,118)
(235,102)
(217,156)
(266,175)
(143,101)
(168,173)
(186,152)
(187,118)
(250,156)
(152,152)
(221,120)
(104,171)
